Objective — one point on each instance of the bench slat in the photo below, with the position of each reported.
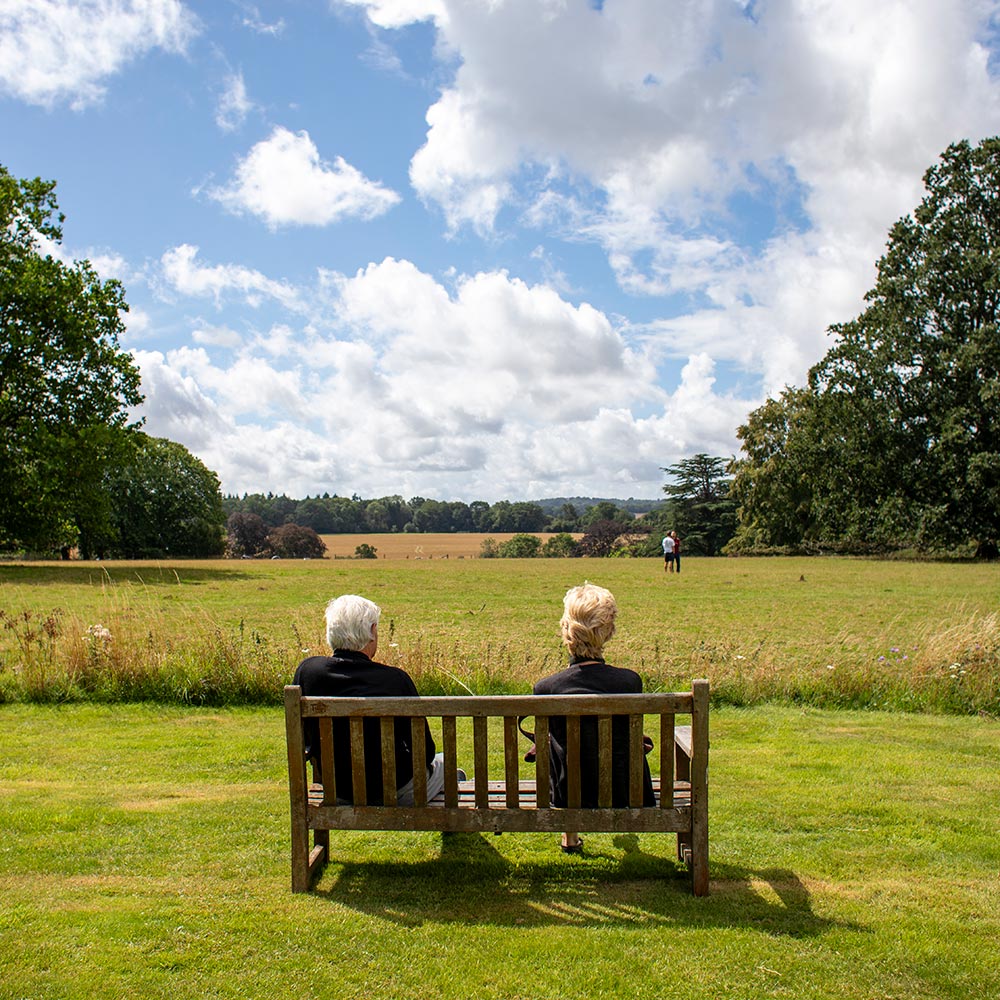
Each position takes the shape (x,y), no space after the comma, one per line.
(667,761)
(387,730)
(326,759)
(510,758)
(480,750)
(448,738)
(492,706)
(542,749)
(573,784)
(418,740)
(604,761)
(358,761)
(636,768)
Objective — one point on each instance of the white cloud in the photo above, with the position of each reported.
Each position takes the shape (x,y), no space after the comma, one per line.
(252,19)
(474,390)
(52,51)
(216,336)
(633,126)
(284,181)
(183,272)
(234,104)
(176,407)
(397,13)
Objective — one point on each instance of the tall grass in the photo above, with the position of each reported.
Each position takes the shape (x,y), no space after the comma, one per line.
(137,653)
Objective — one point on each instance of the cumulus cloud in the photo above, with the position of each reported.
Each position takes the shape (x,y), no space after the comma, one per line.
(183,273)
(283,181)
(656,132)
(478,388)
(52,51)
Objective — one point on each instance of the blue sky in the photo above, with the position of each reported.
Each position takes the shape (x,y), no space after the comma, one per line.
(482,249)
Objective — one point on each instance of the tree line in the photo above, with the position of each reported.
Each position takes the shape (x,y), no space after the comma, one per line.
(333,515)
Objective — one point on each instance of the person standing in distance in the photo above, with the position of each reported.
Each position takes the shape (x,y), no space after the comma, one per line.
(668,552)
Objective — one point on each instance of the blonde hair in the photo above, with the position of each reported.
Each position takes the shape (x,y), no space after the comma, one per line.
(588,620)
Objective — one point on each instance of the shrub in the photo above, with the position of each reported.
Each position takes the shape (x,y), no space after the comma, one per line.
(293,541)
(521,547)
(560,546)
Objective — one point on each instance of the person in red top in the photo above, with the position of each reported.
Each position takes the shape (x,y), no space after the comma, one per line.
(677,551)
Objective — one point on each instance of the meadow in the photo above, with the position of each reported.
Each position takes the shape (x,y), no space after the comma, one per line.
(855,854)
(830,632)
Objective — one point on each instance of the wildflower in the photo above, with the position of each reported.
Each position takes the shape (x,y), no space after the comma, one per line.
(830,666)
(881,659)
(894,649)
(97,632)
(740,657)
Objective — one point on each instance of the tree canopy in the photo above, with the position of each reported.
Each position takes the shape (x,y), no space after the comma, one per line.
(896,440)
(166,502)
(65,385)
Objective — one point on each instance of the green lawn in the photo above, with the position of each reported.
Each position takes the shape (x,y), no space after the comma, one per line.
(145,853)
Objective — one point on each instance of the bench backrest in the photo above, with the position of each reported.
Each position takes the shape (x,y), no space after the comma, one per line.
(509,708)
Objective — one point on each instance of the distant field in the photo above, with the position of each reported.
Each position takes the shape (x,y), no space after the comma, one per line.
(401,545)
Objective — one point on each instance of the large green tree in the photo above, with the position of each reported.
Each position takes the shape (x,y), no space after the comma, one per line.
(700,508)
(166,502)
(65,385)
(896,441)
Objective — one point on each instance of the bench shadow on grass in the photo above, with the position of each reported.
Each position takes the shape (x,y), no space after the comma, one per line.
(471,882)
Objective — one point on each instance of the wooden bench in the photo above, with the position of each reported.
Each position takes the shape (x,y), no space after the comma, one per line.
(503,802)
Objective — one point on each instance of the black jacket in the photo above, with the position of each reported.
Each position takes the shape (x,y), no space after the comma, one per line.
(350,674)
(593,678)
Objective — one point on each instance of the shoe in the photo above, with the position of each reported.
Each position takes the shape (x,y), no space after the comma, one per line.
(576,848)
(461,775)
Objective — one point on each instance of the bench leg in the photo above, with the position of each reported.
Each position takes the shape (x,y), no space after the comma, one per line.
(300,855)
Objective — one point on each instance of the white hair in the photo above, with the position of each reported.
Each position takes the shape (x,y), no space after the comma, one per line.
(349,621)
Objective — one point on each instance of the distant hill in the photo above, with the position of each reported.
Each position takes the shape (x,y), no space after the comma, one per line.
(551,505)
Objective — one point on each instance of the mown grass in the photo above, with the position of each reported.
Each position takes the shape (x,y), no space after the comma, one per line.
(830,632)
(145,853)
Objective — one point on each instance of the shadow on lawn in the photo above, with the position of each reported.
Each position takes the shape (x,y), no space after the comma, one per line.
(98,573)
(471,882)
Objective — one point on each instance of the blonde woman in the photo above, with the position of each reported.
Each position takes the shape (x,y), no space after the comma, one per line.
(587,624)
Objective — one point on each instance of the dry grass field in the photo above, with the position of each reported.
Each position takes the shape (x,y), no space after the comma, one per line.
(440,545)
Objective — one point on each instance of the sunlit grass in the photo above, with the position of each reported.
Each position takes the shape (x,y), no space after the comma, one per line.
(146,853)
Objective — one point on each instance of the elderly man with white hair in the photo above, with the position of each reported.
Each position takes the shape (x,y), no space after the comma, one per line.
(351,672)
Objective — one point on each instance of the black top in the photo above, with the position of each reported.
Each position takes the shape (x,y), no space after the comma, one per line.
(350,674)
(590,677)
